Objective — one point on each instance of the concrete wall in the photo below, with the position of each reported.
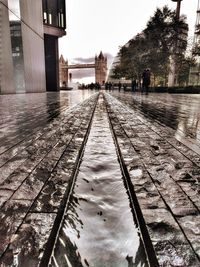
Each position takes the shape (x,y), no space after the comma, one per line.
(6,64)
(33,45)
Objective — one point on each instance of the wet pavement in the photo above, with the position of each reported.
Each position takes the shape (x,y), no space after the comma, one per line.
(35,175)
(42,140)
(168,185)
(98,226)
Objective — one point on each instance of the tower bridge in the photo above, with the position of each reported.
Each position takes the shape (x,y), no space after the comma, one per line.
(100,66)
(81,66)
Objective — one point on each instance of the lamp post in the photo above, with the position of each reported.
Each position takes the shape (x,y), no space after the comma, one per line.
(178,7)
(172,74)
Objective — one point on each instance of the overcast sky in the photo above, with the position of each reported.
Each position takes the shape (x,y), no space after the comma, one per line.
(95,25)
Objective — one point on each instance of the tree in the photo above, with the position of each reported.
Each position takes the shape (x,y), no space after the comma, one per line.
(132,58)
(167,35)
(152,48)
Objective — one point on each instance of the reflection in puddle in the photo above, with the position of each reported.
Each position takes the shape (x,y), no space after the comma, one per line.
(21,114)
(98,229)
(179,112)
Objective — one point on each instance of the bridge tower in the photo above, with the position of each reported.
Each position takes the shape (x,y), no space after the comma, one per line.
(100,68)
(195,71)
(63,72)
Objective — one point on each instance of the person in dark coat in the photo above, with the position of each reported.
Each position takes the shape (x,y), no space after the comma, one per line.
(133,85)
(119,86)
(146,80)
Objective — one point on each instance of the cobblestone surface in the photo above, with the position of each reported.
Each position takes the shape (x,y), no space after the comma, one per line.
(94,223)
(34,180)
(41,136)
(164,173)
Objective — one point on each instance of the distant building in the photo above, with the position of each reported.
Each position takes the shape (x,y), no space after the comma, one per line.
(115,63)
(29,32)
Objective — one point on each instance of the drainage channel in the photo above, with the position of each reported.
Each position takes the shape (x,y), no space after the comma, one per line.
(98,229)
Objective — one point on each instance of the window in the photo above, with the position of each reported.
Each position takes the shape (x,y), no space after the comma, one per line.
(54,13)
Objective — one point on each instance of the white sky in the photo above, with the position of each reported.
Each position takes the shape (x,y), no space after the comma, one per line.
(95,25)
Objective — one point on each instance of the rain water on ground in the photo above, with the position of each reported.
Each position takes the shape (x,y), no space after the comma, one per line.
(98,229)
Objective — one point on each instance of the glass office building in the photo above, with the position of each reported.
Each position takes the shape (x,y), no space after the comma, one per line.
(54,13)
(54,27)
(29,32)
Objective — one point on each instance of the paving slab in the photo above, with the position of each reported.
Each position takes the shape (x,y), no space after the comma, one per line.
(33,189)
(163,201)
(40,147)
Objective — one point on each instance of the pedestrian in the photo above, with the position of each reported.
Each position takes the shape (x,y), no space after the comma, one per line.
(119,86)
(133,85)
(146,79)
(143,81)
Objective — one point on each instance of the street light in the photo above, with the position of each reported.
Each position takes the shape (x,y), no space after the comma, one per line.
(172,74)
(178,7)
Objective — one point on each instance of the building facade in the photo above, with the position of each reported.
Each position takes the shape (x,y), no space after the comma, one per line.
(29,32)
(54,20)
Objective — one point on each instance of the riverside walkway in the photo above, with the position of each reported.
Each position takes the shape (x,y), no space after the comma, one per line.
(66,162)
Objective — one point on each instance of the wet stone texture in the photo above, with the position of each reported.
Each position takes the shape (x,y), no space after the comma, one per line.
(38,157)
(94,231)
(164,169)
(40,140)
